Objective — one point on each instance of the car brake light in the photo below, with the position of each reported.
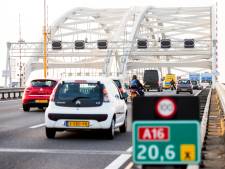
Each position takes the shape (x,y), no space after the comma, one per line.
(105,95)
(28,89)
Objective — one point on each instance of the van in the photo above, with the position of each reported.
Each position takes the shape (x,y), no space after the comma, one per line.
(152,80)
(168,79)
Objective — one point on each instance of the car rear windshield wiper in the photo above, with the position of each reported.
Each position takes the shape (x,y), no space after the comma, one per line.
(81,97)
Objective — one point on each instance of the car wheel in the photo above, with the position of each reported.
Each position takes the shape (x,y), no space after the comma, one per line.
(41,108)
(50,132)
(177,92)
(111,131)
(123,128)
(26,108)
(191,92)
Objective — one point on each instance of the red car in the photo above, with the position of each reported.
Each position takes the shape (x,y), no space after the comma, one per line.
(38,93)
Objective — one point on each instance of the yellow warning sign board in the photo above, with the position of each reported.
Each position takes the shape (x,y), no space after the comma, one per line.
(187,152)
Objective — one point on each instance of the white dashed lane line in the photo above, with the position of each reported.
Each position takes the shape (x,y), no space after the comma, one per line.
(61,151)
(121,160)
(37,126)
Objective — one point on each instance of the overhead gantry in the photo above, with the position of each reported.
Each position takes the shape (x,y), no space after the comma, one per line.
(122,28)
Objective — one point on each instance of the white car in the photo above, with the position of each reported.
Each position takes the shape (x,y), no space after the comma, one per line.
(86,103)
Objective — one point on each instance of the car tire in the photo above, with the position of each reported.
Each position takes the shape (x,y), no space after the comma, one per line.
(41,107)
(177,92)
(191,92)
(123,128)
(50,132)
(110,133)
(26,108)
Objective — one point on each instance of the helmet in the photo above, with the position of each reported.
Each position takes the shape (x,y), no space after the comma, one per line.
(134,77)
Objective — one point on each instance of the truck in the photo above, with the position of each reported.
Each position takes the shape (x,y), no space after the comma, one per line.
(206,77)
(194,76)
(168,79)
(152,80)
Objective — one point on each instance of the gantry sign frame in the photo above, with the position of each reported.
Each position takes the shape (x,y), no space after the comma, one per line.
(122,28)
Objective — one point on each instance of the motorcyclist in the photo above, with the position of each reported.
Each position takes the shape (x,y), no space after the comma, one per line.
(172,83)
(136,84)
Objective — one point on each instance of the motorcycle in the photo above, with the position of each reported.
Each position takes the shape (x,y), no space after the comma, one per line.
(136,92)
(133,94)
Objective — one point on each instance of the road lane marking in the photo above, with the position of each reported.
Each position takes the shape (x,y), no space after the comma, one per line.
(62,151)
(196,94)
(121,160)
(8,101)
(129,166)
(37,126)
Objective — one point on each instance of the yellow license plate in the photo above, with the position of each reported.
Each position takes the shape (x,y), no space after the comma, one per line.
(77,123)
(41,101)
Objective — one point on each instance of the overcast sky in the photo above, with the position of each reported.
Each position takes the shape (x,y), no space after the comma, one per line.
(31,12)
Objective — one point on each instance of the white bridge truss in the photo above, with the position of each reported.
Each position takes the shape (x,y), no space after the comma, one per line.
(122,28)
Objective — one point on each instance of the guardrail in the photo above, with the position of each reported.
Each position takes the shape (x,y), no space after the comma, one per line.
(11,93)
(204,122)
(220,88)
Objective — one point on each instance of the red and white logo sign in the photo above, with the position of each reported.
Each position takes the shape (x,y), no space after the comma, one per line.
(157,133)
(166,108)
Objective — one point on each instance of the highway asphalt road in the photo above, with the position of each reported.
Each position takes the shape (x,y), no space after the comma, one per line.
(23,144)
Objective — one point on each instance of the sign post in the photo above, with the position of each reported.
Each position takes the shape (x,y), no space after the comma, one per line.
(166,130)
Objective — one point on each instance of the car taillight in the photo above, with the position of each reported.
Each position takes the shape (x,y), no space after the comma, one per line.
(27,90)
(105,96)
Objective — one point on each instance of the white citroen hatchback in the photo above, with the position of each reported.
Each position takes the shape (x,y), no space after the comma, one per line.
(86,103)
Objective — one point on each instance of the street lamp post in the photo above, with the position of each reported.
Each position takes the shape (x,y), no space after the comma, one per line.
(45,43)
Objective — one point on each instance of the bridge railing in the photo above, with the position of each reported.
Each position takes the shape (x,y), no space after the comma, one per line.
(11,93)
(220,88)
(204,122)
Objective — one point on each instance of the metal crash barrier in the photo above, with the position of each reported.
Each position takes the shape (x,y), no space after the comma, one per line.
(220,88)
(11,93)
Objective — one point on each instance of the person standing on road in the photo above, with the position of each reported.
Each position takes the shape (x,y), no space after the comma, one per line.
(172,83)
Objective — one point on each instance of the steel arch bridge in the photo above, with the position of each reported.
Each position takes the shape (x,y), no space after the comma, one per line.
(121,28)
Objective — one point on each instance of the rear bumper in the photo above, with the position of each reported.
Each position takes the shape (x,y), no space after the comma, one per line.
(33,104)
(97,117)
(94,122)
(31,99)
(184,90)
(151,86)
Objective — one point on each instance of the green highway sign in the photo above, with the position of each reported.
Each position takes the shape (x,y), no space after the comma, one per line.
(166,142)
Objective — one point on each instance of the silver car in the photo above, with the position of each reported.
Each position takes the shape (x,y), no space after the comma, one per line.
(184,85)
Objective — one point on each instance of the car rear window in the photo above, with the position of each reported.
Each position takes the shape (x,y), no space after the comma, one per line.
(194,82)
(184,82)
(79,94)
(43,83)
